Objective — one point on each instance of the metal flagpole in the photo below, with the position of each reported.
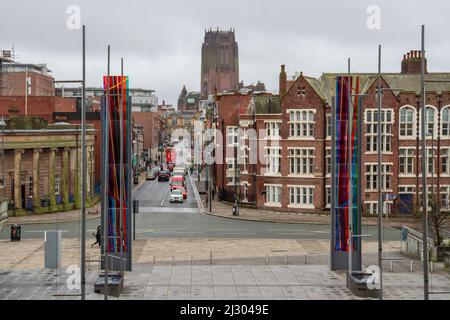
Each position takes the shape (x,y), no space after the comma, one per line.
(424,181)
(121,184)
(333,181)
(83,171)
(26,91)
(380,194)
(350,180)
(105,182)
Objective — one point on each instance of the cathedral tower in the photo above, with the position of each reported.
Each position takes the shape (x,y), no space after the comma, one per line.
(220,62)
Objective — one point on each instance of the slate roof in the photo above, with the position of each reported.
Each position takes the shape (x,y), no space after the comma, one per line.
(325,86)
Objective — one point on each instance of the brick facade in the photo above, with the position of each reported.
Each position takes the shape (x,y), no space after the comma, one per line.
(312,98)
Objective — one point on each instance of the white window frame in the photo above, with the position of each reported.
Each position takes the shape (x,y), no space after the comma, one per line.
(447,110)
(328,162)
(232,134)
(373,207)
(273,161)
(273,129)
(328,203)
(329,126)
(406,123)
(372,176)
(408,158)
(428,123)
(301,158)
(406,189)
(303,196)
(301,127)
(372,133)
(445,155)
(271,194)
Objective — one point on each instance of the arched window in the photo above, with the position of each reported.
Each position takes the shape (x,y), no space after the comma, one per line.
(407,122)
(445,122)
(430,121)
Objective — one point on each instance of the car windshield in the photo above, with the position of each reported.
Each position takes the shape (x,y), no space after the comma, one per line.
(176,191)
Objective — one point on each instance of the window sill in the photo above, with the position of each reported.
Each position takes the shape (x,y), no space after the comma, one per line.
(272,174)
(300,206)
(272,204)
(300,176)
(301,138)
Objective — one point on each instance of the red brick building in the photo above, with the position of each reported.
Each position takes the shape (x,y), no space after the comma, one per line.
(13,80)
(150,125)
(294,171)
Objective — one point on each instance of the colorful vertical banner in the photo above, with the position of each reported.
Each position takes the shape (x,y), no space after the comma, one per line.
(118,97)
(346,176)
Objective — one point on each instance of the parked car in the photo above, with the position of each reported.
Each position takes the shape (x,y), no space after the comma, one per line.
(183,190)
(176,195)
(151,175)
(164,175)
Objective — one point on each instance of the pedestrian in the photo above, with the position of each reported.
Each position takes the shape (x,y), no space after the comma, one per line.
(213,192)
(98,237)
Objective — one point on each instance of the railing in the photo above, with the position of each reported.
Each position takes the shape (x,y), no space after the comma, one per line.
(200,205)
(412,243)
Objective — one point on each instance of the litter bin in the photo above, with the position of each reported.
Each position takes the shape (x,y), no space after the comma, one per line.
(16,232)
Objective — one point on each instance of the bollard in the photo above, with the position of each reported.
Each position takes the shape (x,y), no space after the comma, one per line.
(154,259)
(267,260)
(173,259)
(392,266)
(192,261)
(411,266)
(432,266)
(210,257)
(285,259)
(305,259)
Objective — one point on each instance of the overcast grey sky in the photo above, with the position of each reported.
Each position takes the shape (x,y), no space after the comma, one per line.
(161,40)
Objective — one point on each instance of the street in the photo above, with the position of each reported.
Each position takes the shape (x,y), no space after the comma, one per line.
(158,218)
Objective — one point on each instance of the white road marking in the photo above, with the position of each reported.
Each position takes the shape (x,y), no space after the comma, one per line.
(164,198)
(227,229)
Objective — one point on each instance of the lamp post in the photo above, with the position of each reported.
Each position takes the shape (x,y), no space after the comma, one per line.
(3,125)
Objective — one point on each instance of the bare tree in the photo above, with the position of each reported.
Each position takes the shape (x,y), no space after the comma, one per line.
(439,217)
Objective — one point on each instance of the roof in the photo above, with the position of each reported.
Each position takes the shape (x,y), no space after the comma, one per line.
(325,86)
(267,104)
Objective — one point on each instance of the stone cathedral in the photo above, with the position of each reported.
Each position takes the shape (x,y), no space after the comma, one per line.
(220,62)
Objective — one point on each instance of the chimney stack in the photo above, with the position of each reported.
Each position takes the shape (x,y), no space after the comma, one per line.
(282,83)
(412,62)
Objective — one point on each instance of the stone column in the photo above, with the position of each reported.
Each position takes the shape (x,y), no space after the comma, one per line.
(74,177)
(65,180)
(51,180)
(19,211)
(80,159)
(36,195)
(92,176)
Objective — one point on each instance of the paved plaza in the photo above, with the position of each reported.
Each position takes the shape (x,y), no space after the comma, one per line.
(216,282)
(194,269)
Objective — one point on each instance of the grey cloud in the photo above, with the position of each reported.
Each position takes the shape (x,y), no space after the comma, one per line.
(161,40)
